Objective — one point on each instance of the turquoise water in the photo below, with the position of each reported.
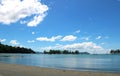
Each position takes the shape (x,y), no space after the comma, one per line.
(105,63)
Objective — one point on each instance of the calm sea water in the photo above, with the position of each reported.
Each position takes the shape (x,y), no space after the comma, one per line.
(106,63)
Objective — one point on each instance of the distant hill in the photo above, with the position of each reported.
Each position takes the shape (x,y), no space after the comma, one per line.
(11,49)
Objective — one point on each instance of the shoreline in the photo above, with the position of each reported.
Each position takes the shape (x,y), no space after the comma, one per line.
(69,69)
(22,70)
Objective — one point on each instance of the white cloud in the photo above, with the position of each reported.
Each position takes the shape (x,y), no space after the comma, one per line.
(76,32)
(86,38)
(33,33)
(12,11)
(31,41)
(14,42)
(82,47)
(59,37)
(2,40)
(36,20)
(69,38)
(99,37)
(52,39)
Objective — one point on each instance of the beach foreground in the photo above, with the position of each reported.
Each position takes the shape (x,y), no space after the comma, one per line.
(20,70)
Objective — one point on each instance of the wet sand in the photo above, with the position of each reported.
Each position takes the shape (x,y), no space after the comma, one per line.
(21,70)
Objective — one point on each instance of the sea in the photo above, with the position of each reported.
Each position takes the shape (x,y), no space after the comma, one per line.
(95,62)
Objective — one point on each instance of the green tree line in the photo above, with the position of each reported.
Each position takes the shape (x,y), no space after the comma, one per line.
(115,51)
(64,52)
(11,49)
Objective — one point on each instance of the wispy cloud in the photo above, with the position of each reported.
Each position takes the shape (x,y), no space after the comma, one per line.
(52,39)
(86,38)
(33,33)
(99,37)
(77,32)
(14,42)
(57,47)
(69,38)
(59,37)
(12,11)
(2,40)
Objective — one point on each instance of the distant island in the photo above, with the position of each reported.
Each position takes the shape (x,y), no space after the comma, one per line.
(75,52)
(11,49)
(115,51)
(64,52)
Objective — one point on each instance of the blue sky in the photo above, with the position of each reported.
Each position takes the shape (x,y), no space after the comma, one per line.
(85,25)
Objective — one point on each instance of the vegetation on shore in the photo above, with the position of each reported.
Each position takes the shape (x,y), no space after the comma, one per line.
(64,52)
(115,51)
(11,49)
(75,52)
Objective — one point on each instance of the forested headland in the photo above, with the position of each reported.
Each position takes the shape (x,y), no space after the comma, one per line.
(11,49)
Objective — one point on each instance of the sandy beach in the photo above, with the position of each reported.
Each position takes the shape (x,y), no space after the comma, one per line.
(21,70)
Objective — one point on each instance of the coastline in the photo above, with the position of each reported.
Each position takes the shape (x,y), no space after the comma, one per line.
(21,70)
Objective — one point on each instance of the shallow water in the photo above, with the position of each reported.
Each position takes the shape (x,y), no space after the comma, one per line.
(103,63)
